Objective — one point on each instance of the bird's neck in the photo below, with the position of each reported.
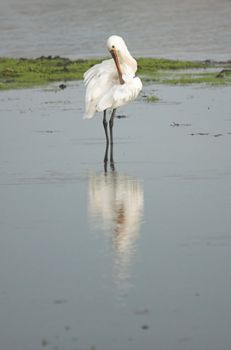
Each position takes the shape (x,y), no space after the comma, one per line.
(129,61)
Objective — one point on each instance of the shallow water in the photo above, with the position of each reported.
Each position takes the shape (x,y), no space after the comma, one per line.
(197,29)
(135,258)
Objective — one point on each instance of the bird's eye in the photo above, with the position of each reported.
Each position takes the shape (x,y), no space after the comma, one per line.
(113,46)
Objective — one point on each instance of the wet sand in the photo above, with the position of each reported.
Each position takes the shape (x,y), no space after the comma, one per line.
(138,258)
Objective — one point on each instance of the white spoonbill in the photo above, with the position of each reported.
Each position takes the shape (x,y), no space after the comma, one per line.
(111,83)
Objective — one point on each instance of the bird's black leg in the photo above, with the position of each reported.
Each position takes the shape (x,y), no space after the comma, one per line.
(106,154)
(105,167)
(105,126)
(111,123)
(111,156)
(106,134)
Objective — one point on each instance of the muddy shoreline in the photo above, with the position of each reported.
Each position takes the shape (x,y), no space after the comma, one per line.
(23,73)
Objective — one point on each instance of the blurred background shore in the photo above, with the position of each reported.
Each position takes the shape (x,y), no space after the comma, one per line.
(190,29)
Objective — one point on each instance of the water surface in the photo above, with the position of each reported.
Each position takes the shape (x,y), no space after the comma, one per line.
(134,258)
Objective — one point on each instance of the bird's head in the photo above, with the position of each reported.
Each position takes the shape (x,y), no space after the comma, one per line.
(116,44)
(119,51)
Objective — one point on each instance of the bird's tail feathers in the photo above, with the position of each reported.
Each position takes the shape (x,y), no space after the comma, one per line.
(89,113)
(104,103)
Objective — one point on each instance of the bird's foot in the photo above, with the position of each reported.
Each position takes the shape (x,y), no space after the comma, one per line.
(121,116)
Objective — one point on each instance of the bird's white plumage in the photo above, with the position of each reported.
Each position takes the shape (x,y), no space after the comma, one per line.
(103,87)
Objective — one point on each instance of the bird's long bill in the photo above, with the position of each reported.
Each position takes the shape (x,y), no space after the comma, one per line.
(117,63)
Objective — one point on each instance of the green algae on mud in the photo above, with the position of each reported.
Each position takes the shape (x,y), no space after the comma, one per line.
(23,73)
(195,76)
(152,99)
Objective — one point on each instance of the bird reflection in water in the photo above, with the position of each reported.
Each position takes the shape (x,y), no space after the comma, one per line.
(116,208)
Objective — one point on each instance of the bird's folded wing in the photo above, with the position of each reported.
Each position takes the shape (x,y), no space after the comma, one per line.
(119,95)
(99,79)
(95,73)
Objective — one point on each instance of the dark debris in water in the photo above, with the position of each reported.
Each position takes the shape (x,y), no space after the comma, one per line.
(49,131)
(121,116)
(62,86)
(207,133)
(45,131)
(145,327)
(44,342)
(200,133)
(180,124)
